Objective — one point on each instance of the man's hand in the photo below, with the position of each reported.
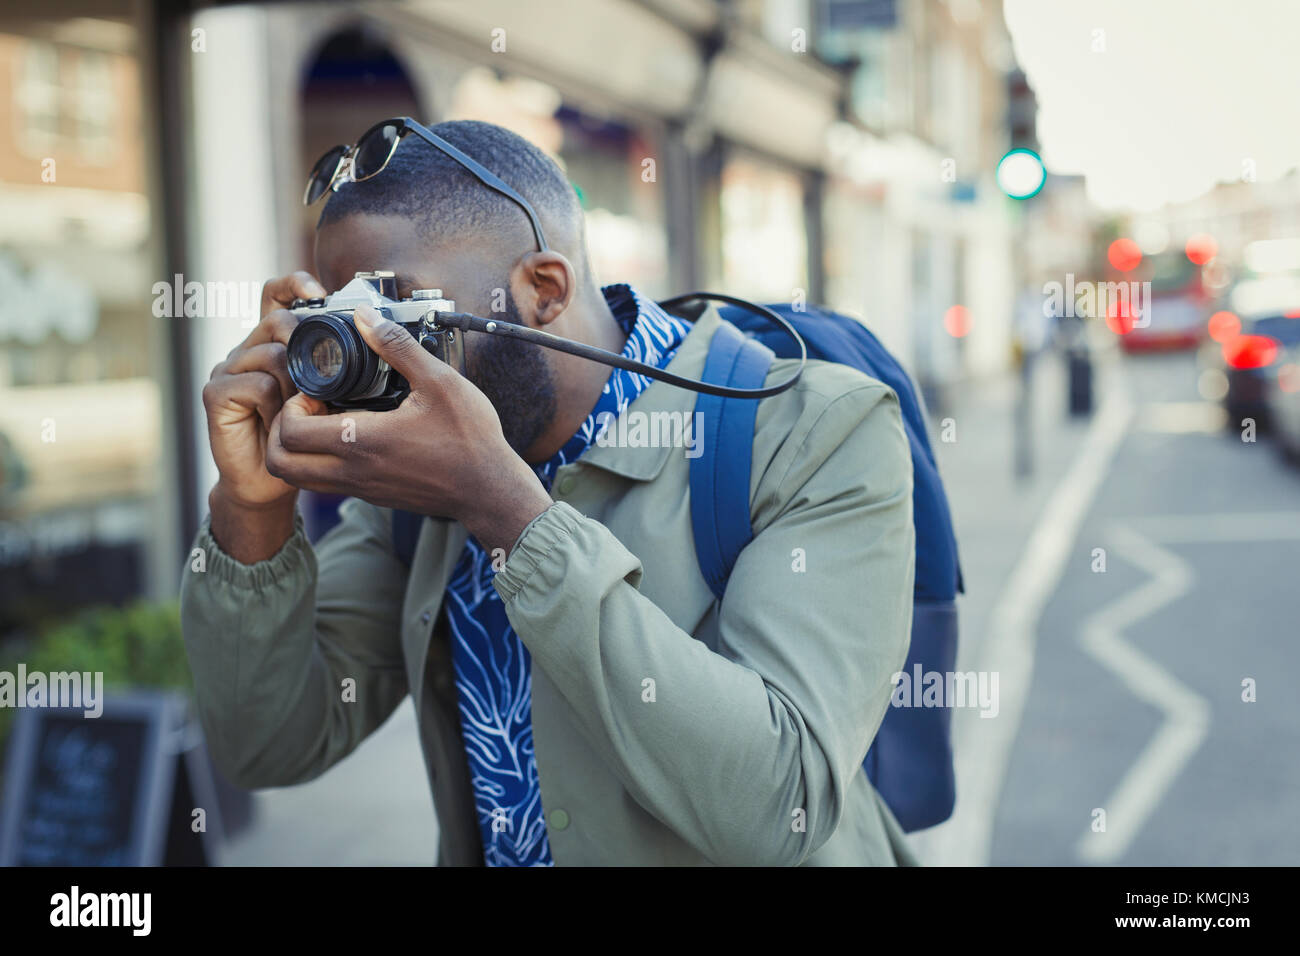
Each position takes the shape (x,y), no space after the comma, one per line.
(441,452)
(252,510)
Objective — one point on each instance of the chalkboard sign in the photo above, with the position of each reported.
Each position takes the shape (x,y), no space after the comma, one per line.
(116,790)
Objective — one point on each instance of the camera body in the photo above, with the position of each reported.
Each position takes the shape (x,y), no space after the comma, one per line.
(329,360)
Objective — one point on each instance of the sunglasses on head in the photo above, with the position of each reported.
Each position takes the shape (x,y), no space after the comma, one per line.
(371,153)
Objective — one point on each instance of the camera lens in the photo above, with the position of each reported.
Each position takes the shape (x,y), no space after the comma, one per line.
(328,360)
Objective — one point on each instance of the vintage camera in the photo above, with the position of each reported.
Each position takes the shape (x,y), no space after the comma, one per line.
(329,360)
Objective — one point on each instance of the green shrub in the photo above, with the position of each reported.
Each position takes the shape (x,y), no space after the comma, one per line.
(138,645)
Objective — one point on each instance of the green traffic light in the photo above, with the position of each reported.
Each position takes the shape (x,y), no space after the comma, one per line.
(1021,174)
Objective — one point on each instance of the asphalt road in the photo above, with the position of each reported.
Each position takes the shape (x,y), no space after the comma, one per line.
(1135,704)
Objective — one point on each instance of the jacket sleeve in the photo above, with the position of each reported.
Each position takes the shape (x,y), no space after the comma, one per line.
(296,659)
(779,719)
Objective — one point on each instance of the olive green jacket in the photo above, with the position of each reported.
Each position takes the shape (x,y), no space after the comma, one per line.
(668,729)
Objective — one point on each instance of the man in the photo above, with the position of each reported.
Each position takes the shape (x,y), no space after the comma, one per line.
(581,696)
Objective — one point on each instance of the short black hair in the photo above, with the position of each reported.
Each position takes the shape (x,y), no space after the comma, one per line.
(425,185)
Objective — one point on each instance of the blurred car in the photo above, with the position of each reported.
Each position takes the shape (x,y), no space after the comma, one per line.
(1282,397)
(1261,325)
(1180,304)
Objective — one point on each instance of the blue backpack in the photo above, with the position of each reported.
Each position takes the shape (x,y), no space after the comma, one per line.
(910,760)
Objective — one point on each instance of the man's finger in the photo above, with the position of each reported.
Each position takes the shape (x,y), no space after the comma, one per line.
(304,430)
(269,357)
(398,348)
(257,390)
(280,293)
(306,405)
(323,473)
(302,469)
(276,326)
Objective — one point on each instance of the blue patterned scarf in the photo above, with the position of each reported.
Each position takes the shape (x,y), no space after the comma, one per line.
(493,668)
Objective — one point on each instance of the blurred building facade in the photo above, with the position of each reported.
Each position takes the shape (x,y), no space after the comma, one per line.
(835,151)
(87,504)
(1233,214)
(839,152)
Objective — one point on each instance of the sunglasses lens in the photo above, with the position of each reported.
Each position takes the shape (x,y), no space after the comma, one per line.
(373,150)
(322,173)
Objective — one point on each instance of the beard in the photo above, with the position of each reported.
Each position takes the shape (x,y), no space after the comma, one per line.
(517,380)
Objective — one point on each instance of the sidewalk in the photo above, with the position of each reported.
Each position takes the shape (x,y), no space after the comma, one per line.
(371,809)
(994,511)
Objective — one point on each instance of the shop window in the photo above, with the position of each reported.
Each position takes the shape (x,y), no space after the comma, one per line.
(615,170)
(764,235)
(80,381)
(613,166)
(94,107)
(37,98)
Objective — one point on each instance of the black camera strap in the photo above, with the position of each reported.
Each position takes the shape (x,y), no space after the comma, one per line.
(466,321)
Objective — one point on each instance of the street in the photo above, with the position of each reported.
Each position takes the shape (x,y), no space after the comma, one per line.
(1072,230)
(1156,586)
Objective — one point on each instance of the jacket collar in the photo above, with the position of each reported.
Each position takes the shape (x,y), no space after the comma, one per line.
(644,464)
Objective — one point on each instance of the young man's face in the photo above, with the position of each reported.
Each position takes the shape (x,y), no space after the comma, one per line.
(515,376)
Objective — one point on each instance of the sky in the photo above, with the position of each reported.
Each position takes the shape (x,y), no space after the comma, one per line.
(1155,101)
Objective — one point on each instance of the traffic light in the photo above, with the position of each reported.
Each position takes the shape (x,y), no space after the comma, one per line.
(1021,174)
(1022,112)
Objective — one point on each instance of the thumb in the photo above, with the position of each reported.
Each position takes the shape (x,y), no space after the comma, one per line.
(396,346)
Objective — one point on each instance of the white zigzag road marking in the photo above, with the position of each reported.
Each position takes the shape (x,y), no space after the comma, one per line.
(982,748)
(1187,714)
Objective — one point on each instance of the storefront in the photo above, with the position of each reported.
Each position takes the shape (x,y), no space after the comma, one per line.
(86,501)
(611,159)
(764,233)
(695,169)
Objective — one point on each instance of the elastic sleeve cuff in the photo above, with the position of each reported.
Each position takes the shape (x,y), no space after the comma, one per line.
(294,555)
(527,527)
(549,530)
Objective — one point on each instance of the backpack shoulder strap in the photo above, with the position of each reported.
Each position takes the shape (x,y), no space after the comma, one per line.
(406,532)
(719,477)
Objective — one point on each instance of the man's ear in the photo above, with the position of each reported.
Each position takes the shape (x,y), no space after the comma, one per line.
(543,285)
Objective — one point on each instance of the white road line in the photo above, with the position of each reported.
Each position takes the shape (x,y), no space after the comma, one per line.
(982,748)
(1187,714)
(1230,526)
(1182,418)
